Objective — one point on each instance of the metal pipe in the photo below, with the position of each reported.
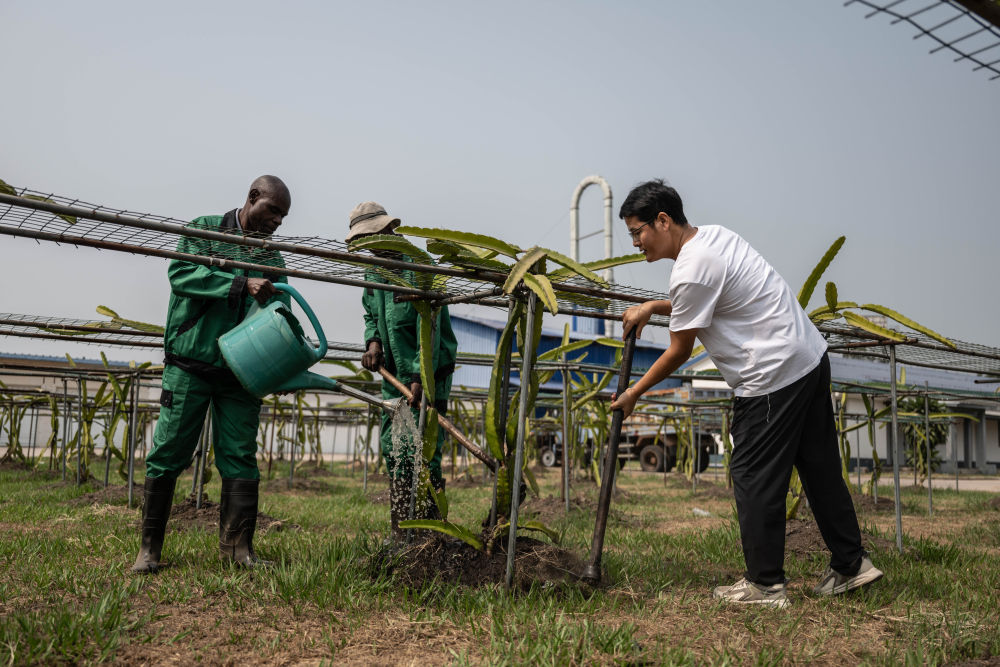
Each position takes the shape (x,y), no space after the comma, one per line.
(368,446)
(133,427)
(592,572)
(927,437)
(574,224)
(566,431)
(895,452)
(527,359)
(79,441)
(65,427)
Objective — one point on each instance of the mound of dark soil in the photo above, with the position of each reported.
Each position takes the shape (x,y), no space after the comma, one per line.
(185,515)
(378,496)
(551,508)
(13,464)
(441,557)
(465,483)
(995,502)
(112,495)
(867,504)
(802,537)
(280,484)
(713,490)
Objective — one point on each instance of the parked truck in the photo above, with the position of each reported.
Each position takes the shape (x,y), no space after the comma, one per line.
(655,448)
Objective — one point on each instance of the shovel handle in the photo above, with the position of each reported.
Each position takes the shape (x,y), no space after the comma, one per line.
(592,572)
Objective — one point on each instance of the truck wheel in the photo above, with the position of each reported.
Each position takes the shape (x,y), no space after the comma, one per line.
(548,458)
(651,457)
(671,458)
(706,452)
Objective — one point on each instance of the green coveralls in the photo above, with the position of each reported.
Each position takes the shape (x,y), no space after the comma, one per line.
(206,302)
(396,326)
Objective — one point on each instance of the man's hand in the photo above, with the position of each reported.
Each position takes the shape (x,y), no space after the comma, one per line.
(417,390)
(261,289)
(626,403)
(636,316)
(372,359)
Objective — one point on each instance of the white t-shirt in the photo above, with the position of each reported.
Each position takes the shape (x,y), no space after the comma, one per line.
(747,318)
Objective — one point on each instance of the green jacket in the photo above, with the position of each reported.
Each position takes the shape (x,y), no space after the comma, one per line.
(208,301)
(396,327)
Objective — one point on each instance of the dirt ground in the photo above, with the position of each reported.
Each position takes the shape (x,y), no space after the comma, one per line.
(441,557)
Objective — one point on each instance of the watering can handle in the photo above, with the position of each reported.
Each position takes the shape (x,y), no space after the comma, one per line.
(294,293)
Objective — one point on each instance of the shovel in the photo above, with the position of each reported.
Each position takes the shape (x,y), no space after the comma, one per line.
(592,572)
(445,423)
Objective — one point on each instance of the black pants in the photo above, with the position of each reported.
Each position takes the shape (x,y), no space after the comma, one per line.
(771,433)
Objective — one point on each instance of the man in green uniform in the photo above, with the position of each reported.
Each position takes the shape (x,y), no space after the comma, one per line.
(206,302)
(392,341)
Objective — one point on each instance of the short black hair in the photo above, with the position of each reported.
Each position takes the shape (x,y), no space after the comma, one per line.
(646,200)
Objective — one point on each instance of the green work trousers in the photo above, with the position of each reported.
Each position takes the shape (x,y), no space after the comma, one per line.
(235,418)
(401,467)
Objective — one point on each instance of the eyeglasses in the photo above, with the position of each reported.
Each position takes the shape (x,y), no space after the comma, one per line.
(634,233)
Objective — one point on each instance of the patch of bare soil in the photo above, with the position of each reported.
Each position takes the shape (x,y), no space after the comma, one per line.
(312,470)
(980,662)
(450,560)
(868,504)
(551,508)
(378,497)
(995,502)
(186,515)
(465,483)
(12,464)
(802,537)
(112,495)
(713,490)
(307,484)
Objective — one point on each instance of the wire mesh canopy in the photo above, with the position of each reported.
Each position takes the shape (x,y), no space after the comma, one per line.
(43,216)
(968,29)
(34,214)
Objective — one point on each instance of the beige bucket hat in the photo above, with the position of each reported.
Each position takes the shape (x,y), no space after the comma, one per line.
(370,218)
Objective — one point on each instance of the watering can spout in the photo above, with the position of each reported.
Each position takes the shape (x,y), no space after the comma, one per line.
(306,380)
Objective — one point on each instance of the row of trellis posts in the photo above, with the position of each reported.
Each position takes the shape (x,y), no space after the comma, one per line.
(75,404)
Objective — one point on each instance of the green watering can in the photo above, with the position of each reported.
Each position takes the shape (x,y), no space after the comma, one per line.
(268,352)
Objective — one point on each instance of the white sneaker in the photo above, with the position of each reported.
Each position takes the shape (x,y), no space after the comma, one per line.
(747,592)
(834,583)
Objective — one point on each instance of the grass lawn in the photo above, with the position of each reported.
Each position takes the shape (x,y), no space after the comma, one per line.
(67,596)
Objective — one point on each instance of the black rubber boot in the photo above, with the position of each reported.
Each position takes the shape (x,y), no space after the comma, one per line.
(158,495)
(238,521)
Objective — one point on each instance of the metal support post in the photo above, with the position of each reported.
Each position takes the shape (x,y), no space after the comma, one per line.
(927,438)
(368,446)
(107,449)
(527,361)
(79,441)
(65,427)
(696,429)
(895,453)
(132,428)
(566,431)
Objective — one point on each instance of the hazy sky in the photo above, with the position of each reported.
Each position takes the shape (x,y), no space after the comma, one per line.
(789,122)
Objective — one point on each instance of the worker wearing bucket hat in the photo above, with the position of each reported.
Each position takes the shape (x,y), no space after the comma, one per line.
(392,341)
(206,302)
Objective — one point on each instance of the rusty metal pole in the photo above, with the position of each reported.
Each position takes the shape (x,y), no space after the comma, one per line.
(592,572)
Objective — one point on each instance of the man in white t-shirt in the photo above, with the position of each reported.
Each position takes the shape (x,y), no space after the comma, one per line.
(725,294)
